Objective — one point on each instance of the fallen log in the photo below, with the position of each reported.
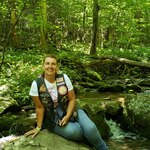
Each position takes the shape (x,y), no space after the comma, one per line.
(121,60)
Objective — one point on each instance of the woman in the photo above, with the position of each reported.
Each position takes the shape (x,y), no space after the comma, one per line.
(54,98)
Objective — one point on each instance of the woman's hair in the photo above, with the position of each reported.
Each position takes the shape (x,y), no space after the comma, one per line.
(50,56)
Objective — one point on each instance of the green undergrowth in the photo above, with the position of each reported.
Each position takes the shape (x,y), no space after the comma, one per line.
(21,67)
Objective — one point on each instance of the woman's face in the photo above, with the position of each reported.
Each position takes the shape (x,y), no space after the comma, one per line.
(50,66)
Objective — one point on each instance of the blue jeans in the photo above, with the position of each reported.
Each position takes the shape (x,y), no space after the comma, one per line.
(81,129)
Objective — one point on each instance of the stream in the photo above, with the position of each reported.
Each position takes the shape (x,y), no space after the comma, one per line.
(125,141)
(120,140)
(129,145)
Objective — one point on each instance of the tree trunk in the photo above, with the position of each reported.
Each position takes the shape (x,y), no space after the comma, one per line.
(43,25)
(95,27)
(101,38)
(13,23)
(84,13)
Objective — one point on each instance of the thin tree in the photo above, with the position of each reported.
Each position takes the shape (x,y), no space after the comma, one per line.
(43,27)
(13,23)
(95,27)
(10,33)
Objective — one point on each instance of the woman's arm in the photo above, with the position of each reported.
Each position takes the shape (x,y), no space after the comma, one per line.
(71,103)
(39,116)
(39,109)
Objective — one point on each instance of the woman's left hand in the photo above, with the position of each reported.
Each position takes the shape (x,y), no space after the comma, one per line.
(64,121)
(33,132)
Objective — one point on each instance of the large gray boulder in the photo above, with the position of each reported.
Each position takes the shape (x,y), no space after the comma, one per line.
(45,140)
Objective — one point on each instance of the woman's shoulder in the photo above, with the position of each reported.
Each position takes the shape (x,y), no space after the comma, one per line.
(38,81)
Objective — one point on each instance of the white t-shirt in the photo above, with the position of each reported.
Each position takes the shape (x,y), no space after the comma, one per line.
(52,88)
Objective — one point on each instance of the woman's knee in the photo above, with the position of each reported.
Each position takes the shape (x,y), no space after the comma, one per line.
(82,113)
(92,128)
(75,133)
(72,132)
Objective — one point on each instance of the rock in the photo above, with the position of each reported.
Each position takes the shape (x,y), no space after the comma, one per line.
(144,82)
(45,140)
(16,124)
(11,114)
(111,88)
(134,87)
(6,101)
(4,90)
(137,118)
(95,109)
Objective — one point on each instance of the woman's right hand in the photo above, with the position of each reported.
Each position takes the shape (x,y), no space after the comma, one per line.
(33,132)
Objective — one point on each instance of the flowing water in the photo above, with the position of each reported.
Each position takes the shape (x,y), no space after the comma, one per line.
(129,145)
(125,141)
(119,139)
